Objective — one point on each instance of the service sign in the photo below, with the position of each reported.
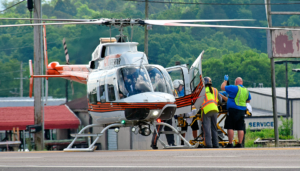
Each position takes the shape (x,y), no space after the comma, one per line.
(260,123)
(286,43)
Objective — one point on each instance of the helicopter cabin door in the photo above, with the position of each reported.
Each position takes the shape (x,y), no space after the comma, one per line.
(192,91)
(197,83)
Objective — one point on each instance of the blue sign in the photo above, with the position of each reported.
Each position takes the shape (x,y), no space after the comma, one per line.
(261,124)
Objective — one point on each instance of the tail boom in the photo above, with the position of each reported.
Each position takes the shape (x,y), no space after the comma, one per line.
(78,73)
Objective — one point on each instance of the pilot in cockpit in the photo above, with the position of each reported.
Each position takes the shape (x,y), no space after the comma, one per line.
(130,80)
(157,80)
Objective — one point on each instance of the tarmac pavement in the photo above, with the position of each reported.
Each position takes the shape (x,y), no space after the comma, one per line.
(184,159)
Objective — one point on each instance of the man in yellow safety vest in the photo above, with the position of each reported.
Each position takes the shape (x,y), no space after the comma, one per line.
(236,106)
(210,113)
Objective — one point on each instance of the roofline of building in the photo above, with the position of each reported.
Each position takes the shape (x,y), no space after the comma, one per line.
(271,95)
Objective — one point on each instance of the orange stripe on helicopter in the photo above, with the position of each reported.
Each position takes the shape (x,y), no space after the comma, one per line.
(110,107)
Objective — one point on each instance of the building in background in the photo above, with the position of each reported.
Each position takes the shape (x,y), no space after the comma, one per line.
(16,113)
(261,103)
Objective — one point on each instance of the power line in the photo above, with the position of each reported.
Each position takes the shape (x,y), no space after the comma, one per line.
(203,3)
(12,6)
(6,89)
(52,42)
(11,72)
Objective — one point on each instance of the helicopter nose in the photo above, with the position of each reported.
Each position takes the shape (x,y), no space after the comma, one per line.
(158,97)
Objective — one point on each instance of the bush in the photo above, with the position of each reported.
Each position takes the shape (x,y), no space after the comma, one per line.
(285,129)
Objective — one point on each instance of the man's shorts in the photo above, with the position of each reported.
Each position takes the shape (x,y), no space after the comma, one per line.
(194,127)
(235,119)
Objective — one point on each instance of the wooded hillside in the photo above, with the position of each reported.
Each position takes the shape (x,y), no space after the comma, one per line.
(236,52)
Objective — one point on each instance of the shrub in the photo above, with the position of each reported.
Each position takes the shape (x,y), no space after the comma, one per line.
(285,129)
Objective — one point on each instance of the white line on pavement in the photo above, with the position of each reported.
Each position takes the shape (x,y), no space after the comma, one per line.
(226,167)
(206,156)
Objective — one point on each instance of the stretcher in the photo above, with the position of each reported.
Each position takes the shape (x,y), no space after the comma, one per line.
(222,134)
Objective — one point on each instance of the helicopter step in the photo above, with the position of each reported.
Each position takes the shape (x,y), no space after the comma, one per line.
(91,147)
(177,133)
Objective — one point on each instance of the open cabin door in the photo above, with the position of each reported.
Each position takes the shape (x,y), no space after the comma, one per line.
(193,91)
(197,83)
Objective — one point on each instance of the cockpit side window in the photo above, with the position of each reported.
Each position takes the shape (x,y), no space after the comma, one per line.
(133,80)
(103,51)
(102,89)
(123,93)
(110,78)
(92,92)
(158,81)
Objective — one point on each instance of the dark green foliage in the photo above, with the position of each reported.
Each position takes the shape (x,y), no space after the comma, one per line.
(237,52)
(285,129)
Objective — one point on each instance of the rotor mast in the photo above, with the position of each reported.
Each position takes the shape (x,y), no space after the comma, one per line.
(146,30)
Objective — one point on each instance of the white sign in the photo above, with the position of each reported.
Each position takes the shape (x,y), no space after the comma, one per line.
(286,43)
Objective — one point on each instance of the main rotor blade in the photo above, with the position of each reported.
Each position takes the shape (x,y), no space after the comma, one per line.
(41,24)
(224,26)
(189,21)
(41,19)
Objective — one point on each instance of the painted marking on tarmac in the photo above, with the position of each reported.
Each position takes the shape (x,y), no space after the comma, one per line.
(1,158)
(207,156)
(224,167)
(219,149)
(194,149)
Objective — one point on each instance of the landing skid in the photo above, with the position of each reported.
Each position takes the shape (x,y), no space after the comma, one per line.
(177,133)
(91,147)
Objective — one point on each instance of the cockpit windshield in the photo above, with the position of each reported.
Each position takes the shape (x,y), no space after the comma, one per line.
(133,80)
(158,81)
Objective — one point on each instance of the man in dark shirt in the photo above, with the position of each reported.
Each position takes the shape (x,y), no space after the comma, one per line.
(236,106)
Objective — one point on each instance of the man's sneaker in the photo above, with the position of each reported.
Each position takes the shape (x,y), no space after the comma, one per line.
(154,147)
(229,146)
(238,145)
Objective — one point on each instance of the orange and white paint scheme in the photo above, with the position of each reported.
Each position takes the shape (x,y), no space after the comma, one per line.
(123,87)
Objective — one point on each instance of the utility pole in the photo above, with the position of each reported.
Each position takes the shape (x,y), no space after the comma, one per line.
(287,91)
(270,54)
(37,30)
(146,30)
(21,79)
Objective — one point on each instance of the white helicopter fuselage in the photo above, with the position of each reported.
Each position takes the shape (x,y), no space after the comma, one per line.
(123,86)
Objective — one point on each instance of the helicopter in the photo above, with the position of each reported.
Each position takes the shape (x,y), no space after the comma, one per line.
(123,89)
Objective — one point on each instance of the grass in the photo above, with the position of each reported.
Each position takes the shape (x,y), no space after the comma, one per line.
(284,132)
(251,136)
